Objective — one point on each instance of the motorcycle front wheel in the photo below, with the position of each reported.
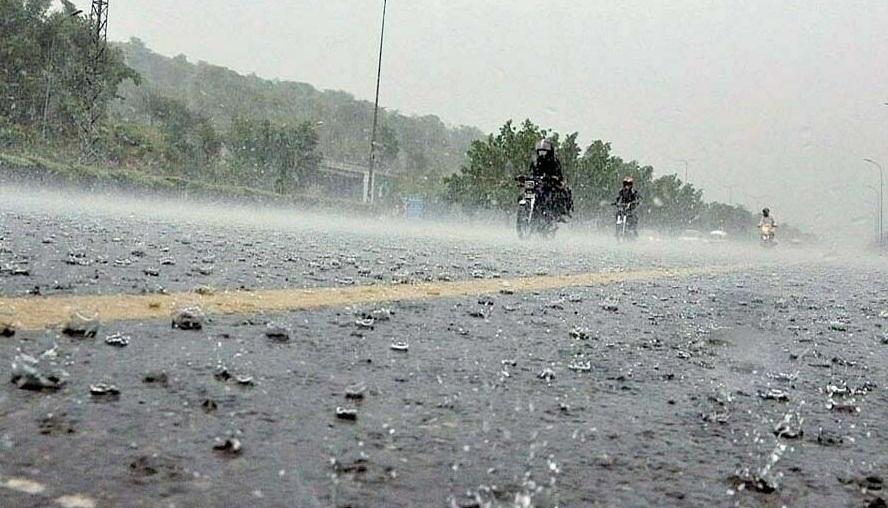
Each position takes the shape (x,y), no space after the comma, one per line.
(523,222)
(621,231)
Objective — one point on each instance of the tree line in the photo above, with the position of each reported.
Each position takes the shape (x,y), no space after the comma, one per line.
(333,123)
(46,69)
(486,182)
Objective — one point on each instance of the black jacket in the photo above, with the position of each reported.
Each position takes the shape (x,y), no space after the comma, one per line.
(628,197)
(547,168)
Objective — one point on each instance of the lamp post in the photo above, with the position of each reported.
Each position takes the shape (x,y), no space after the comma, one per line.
(881,198)
(875,203)
(371,176)
(686,169)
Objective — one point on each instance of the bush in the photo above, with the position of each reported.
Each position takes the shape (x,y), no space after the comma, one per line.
(14,136)
(125,143)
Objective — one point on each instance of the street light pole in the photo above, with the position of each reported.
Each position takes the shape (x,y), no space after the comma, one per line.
(881,198)
(371,176)
(686,169)
(875,205)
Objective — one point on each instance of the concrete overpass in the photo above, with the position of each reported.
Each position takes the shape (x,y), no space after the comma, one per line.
(351,181)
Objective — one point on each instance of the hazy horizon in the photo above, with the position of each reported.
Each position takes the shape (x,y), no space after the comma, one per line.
(770,104)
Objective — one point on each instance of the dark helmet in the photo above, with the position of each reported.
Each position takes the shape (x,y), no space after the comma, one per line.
(544,149)
(766,211)
(628,181)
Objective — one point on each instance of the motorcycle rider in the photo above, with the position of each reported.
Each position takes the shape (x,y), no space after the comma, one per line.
(629,198)
(767,219)
(546,167)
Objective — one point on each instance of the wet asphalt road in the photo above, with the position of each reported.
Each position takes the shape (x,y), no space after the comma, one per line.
(760,387)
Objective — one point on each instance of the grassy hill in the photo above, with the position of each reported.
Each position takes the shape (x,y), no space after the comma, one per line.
(424,144)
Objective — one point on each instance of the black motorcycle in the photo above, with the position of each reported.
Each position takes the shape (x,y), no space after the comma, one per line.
(535,210)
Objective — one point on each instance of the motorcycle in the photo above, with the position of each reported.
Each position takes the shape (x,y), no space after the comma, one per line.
(534,217)
(768,231)
(626,230)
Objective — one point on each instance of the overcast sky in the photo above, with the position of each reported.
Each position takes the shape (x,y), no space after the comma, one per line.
(779,99)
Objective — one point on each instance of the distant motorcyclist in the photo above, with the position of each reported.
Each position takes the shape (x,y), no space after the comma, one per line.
(546,167)
(767,219)
(768,226)
(628,195)
(628,199)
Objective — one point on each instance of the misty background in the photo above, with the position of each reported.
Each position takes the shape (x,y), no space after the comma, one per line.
(769,104)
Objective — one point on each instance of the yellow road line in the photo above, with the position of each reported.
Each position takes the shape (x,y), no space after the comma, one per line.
(34,313)
(33,488)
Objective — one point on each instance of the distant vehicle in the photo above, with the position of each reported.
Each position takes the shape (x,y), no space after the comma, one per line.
(414,208)
(767,233)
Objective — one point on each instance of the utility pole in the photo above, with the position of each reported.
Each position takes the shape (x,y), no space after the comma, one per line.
(98,20)
(372,172)
(881,198)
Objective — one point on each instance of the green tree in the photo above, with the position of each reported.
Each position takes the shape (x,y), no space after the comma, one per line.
(46,79)
(341,122)
(24,54)
(594,174)
(672,205)
(388,145)
(488,178)
(279,158)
